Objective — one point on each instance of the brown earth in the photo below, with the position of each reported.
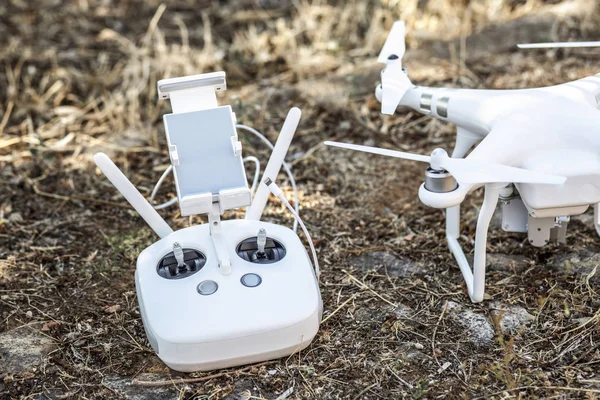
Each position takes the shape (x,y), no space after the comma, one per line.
(77,77)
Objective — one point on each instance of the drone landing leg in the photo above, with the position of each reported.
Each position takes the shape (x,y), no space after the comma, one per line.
(464,141)
(597,217)
(475,279)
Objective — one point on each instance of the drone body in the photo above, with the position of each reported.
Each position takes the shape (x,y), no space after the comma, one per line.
(538,152)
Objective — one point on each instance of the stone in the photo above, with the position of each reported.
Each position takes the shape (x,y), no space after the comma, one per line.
(507,262)
(580,264)
(246,389)
(477,326)
(512,318)
(127,390)
(23,349)
(15,217)
(383,262)
(403,311)
(411,353)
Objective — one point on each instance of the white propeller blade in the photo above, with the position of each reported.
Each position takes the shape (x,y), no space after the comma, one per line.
(557,45)
(382,152)
(394,84)
(395,43)
(466,170)
(473,172)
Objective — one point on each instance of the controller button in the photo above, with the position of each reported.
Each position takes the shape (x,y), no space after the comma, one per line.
(251,280)
(206,288)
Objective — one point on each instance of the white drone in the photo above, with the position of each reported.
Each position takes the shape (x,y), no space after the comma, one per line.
(538,152)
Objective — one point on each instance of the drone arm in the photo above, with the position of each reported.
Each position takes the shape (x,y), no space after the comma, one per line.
(586,90)
(458,106)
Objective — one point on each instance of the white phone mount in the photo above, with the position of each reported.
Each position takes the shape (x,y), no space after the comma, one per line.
(205,152)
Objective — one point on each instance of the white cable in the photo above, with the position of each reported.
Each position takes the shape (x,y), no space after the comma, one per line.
(256,172)
(157,186)
(286,167)
(277,192)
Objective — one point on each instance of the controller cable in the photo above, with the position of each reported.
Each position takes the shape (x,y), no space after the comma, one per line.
(277,192)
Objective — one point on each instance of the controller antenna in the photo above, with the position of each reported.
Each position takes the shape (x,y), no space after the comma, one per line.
(275,162)
(133,196)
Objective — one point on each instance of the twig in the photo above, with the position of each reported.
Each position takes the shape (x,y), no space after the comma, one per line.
(365,286)
(435,328)
(365,390)
(4,121)
(339,308)
(400,379)
(199,379)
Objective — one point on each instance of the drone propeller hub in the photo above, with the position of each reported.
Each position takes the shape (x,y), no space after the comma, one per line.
(438,156)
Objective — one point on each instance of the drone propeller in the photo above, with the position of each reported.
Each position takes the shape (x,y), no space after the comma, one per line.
(394,44)
(557,45)
(394,82)
(465,170)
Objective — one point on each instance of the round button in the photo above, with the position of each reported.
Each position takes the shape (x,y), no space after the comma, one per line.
(207,287)
(251,280)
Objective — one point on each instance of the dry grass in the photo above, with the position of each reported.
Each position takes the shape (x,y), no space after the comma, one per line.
(80,76)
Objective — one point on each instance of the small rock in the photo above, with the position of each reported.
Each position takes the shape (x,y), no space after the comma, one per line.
(386,262)
(23,349)
(507,262)
(49,325)
(345,125)
(112,309)
(246,389)
(444,367)
(15,217)
(403,311)
(411,352)
(581,264)
(512,318)
(478,328)
(124,387)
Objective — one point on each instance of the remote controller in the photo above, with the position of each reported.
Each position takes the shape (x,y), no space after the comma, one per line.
(225,293)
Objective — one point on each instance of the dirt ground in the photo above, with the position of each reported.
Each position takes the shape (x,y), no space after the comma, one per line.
(78,77)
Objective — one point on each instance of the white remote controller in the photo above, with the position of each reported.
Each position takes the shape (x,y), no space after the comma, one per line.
(225,293)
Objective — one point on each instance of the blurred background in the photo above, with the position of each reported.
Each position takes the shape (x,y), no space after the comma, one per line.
(77,77)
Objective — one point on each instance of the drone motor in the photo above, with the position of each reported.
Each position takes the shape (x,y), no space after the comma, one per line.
(439,181)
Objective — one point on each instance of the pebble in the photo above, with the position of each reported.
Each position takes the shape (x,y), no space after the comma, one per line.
(512,318)
(478,328)
(383,262)
(23,349)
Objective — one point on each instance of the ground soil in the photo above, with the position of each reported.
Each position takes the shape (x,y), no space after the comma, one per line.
(79,77)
